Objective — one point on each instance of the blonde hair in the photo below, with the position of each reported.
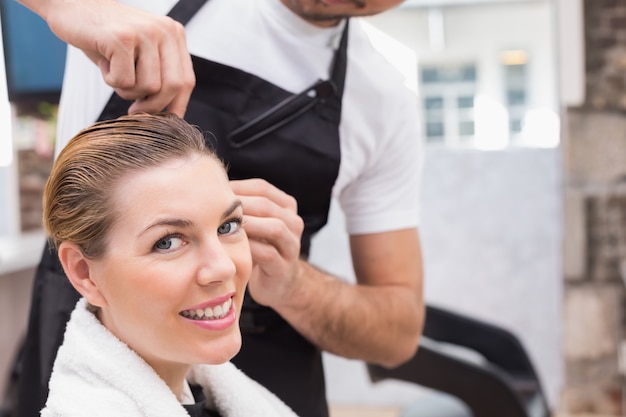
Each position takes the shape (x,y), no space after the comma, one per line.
(77,203)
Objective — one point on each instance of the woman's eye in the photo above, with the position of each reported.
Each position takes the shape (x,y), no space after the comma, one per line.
(168,243)
(229,227)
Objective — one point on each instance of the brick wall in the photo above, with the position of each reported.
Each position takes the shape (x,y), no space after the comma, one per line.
(605,42)
(595,219)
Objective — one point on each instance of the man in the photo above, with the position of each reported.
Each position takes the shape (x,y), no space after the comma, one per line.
(308,110)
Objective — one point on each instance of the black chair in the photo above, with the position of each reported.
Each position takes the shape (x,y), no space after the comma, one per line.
(483,365)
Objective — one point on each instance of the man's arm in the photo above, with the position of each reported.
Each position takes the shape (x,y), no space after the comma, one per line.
(142,56)
(379,320)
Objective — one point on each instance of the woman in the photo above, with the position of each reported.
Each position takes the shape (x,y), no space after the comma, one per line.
(150,234)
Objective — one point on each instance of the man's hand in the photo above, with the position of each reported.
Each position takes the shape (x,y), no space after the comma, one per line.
(354,321)
(144,57)
(274,229)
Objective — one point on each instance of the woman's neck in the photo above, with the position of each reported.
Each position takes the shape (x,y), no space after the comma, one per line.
(174,377)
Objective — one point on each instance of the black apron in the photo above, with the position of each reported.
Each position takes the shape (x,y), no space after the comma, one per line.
(260,131)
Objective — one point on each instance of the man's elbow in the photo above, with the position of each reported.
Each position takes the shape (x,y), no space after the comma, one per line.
(407,348)
(401,357)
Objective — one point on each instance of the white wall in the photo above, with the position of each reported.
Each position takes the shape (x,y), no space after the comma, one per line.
(491,236)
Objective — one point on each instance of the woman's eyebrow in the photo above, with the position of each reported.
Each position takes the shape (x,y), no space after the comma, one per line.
(180,223)
(236,204)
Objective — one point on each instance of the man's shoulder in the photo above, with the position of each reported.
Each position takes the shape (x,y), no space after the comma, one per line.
(380,55)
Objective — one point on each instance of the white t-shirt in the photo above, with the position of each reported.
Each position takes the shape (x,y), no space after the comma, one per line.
(378,183)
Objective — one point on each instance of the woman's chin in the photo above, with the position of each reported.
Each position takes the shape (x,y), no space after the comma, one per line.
(222,350)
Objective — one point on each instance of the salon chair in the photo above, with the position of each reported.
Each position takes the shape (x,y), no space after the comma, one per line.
(482,365)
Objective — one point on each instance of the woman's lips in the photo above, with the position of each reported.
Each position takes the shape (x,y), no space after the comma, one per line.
(209,312)
(213,317)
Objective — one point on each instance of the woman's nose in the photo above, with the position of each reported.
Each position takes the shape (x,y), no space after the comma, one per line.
(215,264)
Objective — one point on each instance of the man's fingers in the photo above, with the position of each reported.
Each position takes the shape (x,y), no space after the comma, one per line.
(180,74)
(122,50)
(269,230)
(263,208)
(119,73)
(263,253)
(261,188)
(179,104)
(151,66)
(272,237)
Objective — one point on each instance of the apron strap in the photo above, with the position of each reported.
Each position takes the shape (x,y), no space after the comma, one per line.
(184,10)
(340,61)
(294,106)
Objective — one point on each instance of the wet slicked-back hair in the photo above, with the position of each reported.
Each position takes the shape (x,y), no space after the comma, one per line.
(77,201)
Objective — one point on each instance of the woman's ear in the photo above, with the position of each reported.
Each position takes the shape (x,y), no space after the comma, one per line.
(78,269)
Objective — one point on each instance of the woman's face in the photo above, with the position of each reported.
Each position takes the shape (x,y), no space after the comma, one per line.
(176,265)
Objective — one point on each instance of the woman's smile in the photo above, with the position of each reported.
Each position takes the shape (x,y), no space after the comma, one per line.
(208,313)
(214,315)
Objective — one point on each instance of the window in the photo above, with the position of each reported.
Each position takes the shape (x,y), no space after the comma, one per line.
(448,103)
(515,89)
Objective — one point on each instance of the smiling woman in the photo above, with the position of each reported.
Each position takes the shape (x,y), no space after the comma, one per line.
(149,233)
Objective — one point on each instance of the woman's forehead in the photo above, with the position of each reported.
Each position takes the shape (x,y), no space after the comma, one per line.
(176,183)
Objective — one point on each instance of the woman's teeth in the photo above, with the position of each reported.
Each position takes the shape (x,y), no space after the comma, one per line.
(209,313)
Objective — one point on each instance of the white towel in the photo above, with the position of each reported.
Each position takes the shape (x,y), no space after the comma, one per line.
(95,374)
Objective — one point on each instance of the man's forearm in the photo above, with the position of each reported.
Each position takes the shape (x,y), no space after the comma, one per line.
(43,7)
(37,6)
(375,323)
